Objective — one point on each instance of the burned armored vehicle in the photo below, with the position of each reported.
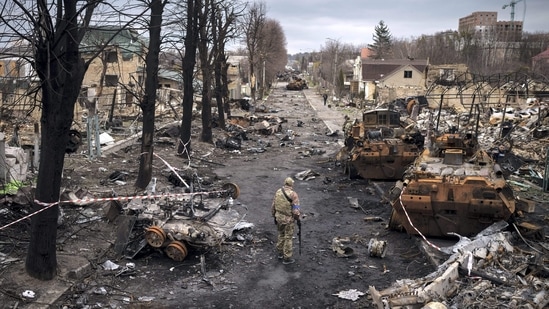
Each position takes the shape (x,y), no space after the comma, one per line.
(297,83)
(175,222)
(452,187)
(378,146)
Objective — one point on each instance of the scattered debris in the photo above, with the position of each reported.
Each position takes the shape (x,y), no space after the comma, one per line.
(307,175)
(352,294)
(377,248)
(485,269)
(28,294)
(110,265)
(338,246)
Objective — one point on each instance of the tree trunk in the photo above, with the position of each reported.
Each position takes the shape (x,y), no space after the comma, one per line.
(149,99)
(225,89)
(61,70)
(219,95)
(189,61)
(206,135)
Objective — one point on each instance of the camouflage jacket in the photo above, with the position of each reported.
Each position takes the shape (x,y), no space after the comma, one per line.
(284,210)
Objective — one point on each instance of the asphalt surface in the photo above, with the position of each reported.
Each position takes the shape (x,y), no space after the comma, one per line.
(71,268)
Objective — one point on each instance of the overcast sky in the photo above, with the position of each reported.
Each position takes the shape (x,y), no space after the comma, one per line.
(307,23)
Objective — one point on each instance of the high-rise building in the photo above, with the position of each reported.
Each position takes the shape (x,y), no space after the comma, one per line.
(486,26)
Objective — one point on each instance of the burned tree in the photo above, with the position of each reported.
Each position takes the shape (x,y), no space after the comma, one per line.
(206,55)
(57,30)
(189,61)
(61,71)
(148,102)
(54,31)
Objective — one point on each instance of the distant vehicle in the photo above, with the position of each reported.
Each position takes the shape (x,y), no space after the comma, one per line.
(378,146)
(297,83)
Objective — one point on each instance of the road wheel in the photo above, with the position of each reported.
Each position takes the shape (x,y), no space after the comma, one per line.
(155,236)
(232,190)
(176,251)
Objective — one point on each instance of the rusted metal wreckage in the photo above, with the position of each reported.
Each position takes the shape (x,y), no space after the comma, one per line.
(173,222)
(297,83)
(452,187)
(489,270)
(378,146)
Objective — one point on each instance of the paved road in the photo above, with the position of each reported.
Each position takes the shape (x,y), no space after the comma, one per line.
(332,116)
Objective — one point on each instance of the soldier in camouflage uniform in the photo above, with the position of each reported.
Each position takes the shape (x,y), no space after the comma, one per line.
(285,210)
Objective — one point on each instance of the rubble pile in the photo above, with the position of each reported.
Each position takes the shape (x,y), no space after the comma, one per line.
(494,268)
(513,143)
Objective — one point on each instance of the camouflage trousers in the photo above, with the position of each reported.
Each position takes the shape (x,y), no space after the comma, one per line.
(284,244)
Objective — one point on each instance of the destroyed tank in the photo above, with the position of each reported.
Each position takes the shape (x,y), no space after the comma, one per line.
(378,147)
(452,187)
(297,83)
(198,219)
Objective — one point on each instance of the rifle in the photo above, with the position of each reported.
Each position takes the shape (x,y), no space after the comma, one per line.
(299,234)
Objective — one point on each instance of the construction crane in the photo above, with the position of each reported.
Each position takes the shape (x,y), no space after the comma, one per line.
(512,5)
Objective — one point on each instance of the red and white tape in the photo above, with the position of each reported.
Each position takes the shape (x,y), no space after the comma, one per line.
(411,224)
(104,199)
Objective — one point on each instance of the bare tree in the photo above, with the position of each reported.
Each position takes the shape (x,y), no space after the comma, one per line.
(61,70)
(206,55)
(54,31)
(253,22)
(55,40)
(189,61)
(226,14)
(148,103)
(273,54)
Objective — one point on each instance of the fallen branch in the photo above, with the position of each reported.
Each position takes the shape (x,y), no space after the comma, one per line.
(207,161)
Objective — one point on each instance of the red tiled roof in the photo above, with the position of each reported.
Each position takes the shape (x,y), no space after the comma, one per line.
(542,55)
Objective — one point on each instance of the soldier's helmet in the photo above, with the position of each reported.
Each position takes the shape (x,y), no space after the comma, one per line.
(289,181)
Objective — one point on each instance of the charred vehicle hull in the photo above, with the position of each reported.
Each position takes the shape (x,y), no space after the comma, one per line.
(454,188)
(387,159)
(199,219)
(378,147)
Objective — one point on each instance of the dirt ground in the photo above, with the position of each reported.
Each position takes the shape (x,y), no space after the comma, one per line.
(244,272)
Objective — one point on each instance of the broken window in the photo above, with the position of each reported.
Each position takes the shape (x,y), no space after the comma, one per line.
(111,80)
(129,98)
(369,118)
(394,119)
(407,74)
(447,75)
(111,56)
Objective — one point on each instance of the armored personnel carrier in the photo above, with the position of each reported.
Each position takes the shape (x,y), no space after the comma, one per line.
(452,187)
(378,146)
